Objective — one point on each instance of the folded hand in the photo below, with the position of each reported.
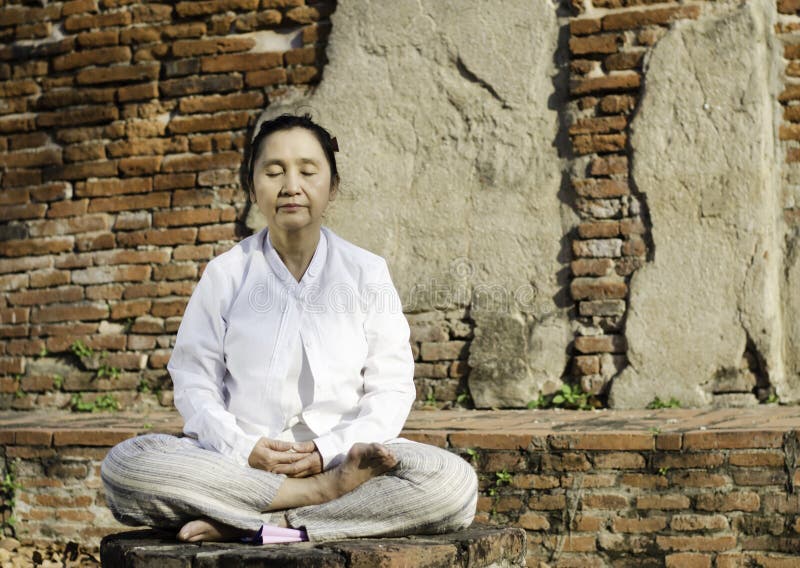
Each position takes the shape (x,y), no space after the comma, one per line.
(299,459)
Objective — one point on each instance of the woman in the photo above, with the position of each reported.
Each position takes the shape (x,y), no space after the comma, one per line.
(294,375)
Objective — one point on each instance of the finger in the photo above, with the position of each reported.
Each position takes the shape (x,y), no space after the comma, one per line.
(286,457)
(296,469)
(278,445)
(305,447)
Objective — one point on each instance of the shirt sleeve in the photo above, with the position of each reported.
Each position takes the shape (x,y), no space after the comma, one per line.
(197,368)
(388,375)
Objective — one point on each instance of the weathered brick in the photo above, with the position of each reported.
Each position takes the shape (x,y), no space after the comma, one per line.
(584,26)
(601,344)
(49,296)
(624,61)
(615,82)
(25,247)
(193,163)
(266,77)
(104,274)
(637,19)
(733,439)
(733,501)
(433,351)
(698,479)
(687,560)
(68,312)
(174,271)
(222,121)
(125,203)
(764,458)
(240,62)
(600,188)
(202,8)
(84,58)
(214,103)
(598,288)
(85,22)
(201,84)
(696,543)
(147,71)
(662,502)
(168,308)
(638,524)
(699,523)
(186,235)
(598,143)
(215,233)
(98,39)
(304,74)
(622,460)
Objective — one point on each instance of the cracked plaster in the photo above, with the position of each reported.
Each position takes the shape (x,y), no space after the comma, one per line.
(449,169)
(704,156)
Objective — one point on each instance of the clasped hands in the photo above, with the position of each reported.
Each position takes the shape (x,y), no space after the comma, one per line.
(294,459)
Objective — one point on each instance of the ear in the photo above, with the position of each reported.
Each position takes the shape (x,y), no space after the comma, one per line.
(334,189)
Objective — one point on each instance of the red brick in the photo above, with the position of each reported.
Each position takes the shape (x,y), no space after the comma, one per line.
(687,560)
(266,78)
(215,233)
(144,92)
(222,121)
(186,163)
(173,181)
(598,143)
(669,441)
(604,501)
(534,481)
(638,19)
(83,437)
(568,461)
(202,8)
(533,522)
(613,104)
(662,502)
(733,501)
(300,75)
(127,203)
(643,480)
(98,39)
(26,247)
(600,188)
(699,523)
(48,296)
(190,48)
(26,211)
(186,235)
(78,7)
(623,61)
(12,365)
(14,315)
(698,479)
(638,524)
(598,288)
(168,308)
(592,266)
(172,271)
(608,344)
(33,437)
(240,62)
(85,58)
(615,82)
(598,229)
(434,351)
(69,208)
(586,365)
(147,71)
(69,312)
(698,543)
(85,22)
(584,26)
(621,460)
(594,44)
(214,103)
(82,170)
(547,502)
(733,439)
(31,158)
(490,441)
(766,458)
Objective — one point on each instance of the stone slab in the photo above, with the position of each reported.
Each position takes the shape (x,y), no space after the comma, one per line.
(477,547)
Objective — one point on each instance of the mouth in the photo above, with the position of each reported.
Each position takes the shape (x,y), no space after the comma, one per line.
(290,206)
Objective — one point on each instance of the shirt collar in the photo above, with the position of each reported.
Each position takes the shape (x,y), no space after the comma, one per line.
(314,267)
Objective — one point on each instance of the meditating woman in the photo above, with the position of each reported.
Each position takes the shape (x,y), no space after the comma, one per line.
(294,375)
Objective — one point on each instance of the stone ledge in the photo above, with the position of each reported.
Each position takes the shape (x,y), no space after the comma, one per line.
(471,548)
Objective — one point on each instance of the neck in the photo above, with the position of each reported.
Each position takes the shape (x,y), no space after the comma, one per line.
(296,248)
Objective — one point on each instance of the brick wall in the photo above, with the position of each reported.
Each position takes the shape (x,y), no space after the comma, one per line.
(681,488)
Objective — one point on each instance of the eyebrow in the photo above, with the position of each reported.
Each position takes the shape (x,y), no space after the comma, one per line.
(303,161)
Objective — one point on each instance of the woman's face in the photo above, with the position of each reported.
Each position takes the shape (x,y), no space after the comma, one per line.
(292,181)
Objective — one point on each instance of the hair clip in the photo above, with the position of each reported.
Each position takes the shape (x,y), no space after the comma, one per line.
(334,144)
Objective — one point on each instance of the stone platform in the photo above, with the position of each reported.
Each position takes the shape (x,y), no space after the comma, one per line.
(595,489)
(472,548)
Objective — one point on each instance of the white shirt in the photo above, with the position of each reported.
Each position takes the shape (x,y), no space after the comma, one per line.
(233,349)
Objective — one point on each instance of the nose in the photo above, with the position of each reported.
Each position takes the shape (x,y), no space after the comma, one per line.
(291,183)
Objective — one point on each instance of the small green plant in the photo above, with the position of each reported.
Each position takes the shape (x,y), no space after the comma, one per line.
(503,478)
(58,381)
(80,349)
(106,370)
(126,327)
(772,399)
(658,403)
(19,393)
(654,430)
(571,397)
(662,471)
(106,402)
(147,425)
(430,400)
(473,455)
(8,491)
(143,387)
(540,402)
(43,351)
(464,398)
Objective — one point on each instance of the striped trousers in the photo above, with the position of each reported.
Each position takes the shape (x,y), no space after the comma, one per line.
(164,481)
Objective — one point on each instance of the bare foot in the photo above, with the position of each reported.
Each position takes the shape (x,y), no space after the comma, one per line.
(363,462)
(209,530)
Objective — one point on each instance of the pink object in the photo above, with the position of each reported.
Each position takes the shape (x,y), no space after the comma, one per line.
(269,534)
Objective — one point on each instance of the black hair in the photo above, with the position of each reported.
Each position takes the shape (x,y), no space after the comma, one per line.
(287,122)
